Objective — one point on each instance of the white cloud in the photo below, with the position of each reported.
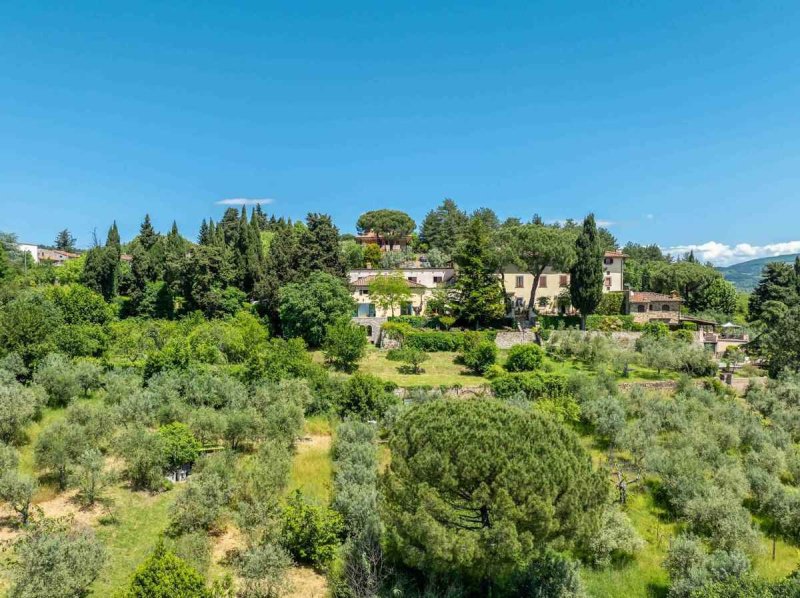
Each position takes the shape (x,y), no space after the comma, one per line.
(721,254)
(243,201)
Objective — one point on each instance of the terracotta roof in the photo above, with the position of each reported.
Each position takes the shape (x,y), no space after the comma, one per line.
(614,254)
(646,296)
(696,320)
(365,280)
(373,235)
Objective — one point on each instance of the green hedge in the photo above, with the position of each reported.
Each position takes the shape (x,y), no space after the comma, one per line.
(556,322)
(414,321)
(611,304)
(534,385)
(432,341)
(594,322)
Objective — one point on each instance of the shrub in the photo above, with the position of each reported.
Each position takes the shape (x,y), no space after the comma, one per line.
(683,335)
(532,385)
(310,532)
(524,358)
(345,343)
(263,571)
(193,548)
(478,353)
(616,537)
(493,371)
(366,396)
(550,576)
(655,330)
(413,321)
(163,575)
(411,356)
(610,323)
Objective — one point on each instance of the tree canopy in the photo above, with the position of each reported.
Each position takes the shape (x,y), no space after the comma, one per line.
(390,225)
(475,488)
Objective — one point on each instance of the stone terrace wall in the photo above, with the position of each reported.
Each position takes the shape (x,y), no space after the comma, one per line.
(373,327)
(510,338)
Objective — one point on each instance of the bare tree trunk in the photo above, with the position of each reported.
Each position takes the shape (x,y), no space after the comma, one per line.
(534,288)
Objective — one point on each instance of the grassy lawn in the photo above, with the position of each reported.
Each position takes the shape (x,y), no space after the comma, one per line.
(440,369)
(643,576)
(141,520)
(312,470)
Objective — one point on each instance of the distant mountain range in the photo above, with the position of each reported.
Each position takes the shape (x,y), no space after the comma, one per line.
(745,276)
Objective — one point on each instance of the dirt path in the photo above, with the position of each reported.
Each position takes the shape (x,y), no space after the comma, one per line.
(306,583)
(314,442)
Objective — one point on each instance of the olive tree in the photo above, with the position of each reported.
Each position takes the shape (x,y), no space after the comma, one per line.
(56,560)
(59,378)
(18,406)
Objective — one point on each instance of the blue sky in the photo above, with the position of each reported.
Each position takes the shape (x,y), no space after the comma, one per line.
(675,121)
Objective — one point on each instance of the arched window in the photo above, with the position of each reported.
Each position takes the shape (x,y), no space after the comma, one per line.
(369,331)
(640,309)
(665,307)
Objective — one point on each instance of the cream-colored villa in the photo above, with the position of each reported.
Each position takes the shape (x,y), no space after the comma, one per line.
(518,284)
(422,282)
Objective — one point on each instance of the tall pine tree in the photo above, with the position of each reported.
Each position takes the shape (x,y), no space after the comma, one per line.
(321,252)
(65,241)
(481,297)
(586,275)
(113,240)
(147,234)
(202,236)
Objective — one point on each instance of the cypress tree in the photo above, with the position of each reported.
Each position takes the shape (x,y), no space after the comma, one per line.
(320,242)
(229,226)
(586,275)
(202,236)
(113,241)
(147,234)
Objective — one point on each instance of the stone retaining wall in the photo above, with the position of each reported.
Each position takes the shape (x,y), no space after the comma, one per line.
(373,327)
(508,339)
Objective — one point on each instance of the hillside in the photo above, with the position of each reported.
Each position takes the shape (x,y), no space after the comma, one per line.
(745,275)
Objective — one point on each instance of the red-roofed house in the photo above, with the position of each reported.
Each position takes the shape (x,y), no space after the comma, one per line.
(645,306)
